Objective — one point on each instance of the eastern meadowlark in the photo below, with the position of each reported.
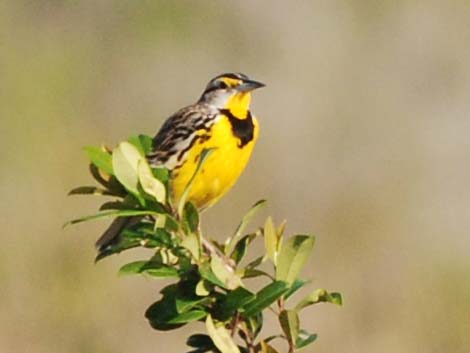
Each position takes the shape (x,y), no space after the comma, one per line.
(220,120)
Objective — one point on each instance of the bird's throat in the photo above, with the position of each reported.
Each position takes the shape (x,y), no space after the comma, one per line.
(239,105)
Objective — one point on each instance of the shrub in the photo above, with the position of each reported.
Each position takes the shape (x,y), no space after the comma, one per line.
(209,277)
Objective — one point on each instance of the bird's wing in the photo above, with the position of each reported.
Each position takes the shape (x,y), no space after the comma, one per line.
(179,133)
(170,146)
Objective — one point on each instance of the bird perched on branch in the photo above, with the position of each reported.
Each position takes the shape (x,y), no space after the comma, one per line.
(221,120)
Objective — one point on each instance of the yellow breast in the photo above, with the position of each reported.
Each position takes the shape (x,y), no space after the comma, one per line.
(221,169)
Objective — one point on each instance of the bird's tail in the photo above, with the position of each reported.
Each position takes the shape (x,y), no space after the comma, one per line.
(112,235)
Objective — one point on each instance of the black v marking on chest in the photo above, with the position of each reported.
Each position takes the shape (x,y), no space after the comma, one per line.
(243,129)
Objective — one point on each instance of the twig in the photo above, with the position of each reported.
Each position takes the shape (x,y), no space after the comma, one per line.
(211,249)
(235,321)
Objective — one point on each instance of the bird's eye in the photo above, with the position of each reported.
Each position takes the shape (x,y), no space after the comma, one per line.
(216,85)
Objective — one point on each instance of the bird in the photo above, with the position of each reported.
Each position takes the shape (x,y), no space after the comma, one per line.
(220,121)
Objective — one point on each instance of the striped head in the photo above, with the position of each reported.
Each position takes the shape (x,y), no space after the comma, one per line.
(230,90)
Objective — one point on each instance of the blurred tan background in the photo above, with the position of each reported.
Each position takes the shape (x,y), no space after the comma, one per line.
(365,142)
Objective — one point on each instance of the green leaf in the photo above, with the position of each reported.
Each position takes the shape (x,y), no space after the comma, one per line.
(255,263)
(164,315)
(113,205)
(191,217)
(109,182)
(320,296)
(304,339)
(298,284)
(90,190)
(126,158)
(289,320)
(132,268)
(142,142)
(270,240)
(255,323)
(171,224)
(140,234)
(251,273)
(241,227)
(164,237)
(265,297)
(113,213)
(153,268)
(100,158)
(145,231)
(122,245)
(206,273)
(233,301)
(163,271)
(241,247)
(99,175)
(186,303)
(205,154)
(273,337)
(149,183)
(161,174)
(221,337)
(293,255)
(189,316)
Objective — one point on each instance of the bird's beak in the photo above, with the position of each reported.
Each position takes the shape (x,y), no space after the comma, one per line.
(249,85)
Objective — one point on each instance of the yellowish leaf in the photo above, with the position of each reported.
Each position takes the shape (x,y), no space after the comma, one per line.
(191,242)
(125,161)
(225,273)
(266,348)
(221,337)
(270,240)
(149,183)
